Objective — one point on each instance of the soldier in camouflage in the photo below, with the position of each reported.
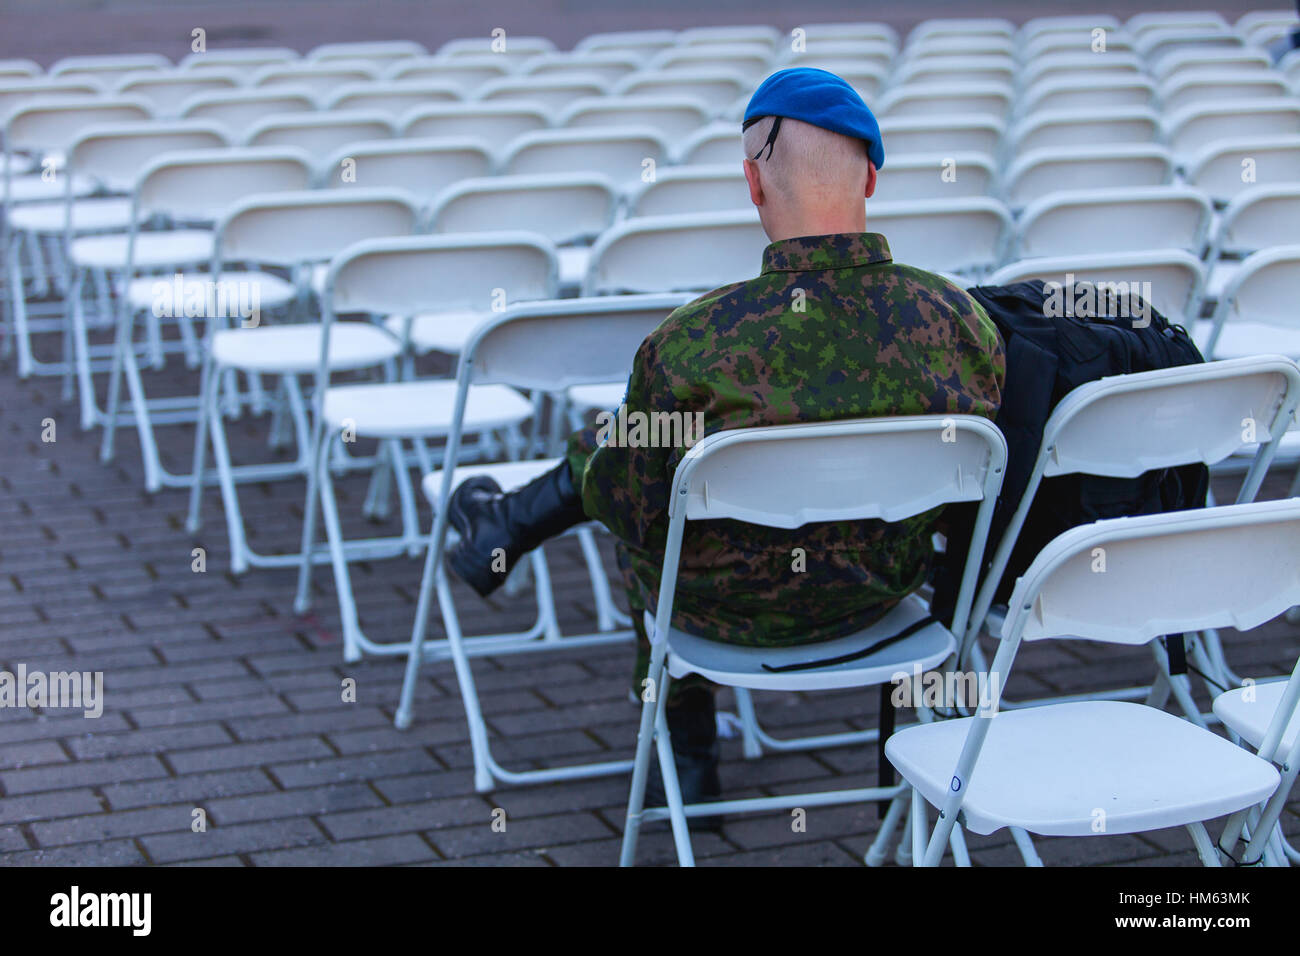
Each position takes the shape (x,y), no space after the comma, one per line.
(831,328)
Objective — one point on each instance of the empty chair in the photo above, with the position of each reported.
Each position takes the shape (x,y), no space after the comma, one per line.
(687,189)
(1169,279)
(239,110)
(169,92)
(961,27)
(552,94)
(393,99)
(748,59)
(1240,60)
(16,93)
(608,67)
(18,70)
(674,118)
(715,89)
(251,58)
(1087,41)
(1261,27)
(511,49)
(756,33)
(1258,217)
(1077,67)
(496,125)
(1189,129)
(939,47)
(957,69)
(1061,128)
(1224,167)
(1159,44)
(1074,91)
(699,251)
(935,176)
(930,99)
(1040,26)
(319,80)
(1256,311)
(965,236)
(640,43)
(819,34)
(1038,172)
(467,73)
(421,167)
(947,134)
(719,142)
(1192,88)
(1143,23)
(381,54)
(1128,219)
(1049,769)
(867,75)
(623,153)
(107,70)
(319,134)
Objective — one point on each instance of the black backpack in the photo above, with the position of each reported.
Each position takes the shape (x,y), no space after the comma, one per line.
(1048,354)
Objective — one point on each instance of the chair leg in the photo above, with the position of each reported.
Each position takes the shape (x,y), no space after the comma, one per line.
(875,854)
(1204,845)
(19,331)
(478,736)
(751,746)
(672,786)
(317,454)
(957,841)
(414,658)
(193,519)
(225,478)
(920,824)
(1025,844)
(339,561)
(641,764)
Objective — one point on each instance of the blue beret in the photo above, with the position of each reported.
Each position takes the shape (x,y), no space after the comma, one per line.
(822,99)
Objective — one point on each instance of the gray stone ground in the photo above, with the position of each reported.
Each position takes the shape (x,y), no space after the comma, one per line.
(220,698)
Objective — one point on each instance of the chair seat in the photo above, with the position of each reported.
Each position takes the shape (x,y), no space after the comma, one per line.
(508,474)
(1054,769)
(178,247)
(424,409)
(1249,718)
(271,291)
(599,397)
(36,188)
(439,331)
(738,666)
(295,349)
(1240,339)
(88,215)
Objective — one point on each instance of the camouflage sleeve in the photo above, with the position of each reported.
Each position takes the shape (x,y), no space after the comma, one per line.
(627,488)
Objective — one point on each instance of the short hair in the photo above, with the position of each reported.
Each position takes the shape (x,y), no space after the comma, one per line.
(806,156)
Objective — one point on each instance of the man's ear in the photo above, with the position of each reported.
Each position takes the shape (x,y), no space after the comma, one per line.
(752,176)
(871,178)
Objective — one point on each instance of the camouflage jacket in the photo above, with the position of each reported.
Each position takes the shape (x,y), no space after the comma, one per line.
(831,328)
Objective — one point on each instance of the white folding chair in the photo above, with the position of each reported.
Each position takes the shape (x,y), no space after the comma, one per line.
(1043,26)
(674,118)
(623,153)
(394,99)
(715,88)
(753,60)
(885,468)
(106,70)
(944,98)
(1204,20)
(687,189)
(193,189)
(947,134)
(1125,219)
(1086,91)
(16,69)
(608,66)
(422,167)
(715,143)
(1258,217)
(496,125)
(319,80)
(640,43)
(510,49)
(168,93)
(467,73)
(1192,88)
(697,252)
(553,94)
(249,58)
(1256,311)
(544,346)
(319,134)
(381,54)
(1194,61)
(570,209)
(995,70)
(1158,45)
(818,34)
(1189,129)
(288,230)
(955,236)
(1065,128)
(238,110)
(1085,768)
(1190,414)
(956,45)
(1225,167)
(912,176)
(744,33)
(1076,67)
(1039,172)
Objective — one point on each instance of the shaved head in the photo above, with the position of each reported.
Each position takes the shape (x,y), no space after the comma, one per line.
(812,182)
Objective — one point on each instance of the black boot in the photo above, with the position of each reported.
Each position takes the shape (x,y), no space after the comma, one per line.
(515,522)
(693,727)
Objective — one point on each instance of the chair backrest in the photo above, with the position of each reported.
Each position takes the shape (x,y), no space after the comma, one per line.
(912,176)
(709,145)
(997,70)
(1039,172)
(753,60)
(687,189)
(944,98)
(745,33)
(1064,128)
(1169,279)
(947,235)
(380,54)
(1094,90)
(1263,290)
(239,110)
(942,134)
(833,34)
(878,468)
(511,49)
(318,79)
(865,72)
(1257,217)
(715,88)
(496,125)
(319,134)
(108,69)
(622,153)
(302,228)
(1180,61)
(394,99)
(251,58)
(53,126)
(17,69)
(641,43)
(1128,219)
(609,67)
(1226,167)
(203,184)
(699,251)
(465,72)
(17,93)
(113,155)
(1235,566)
(564,207)
(1077,67)
(168,92)
(1187,130)
(552,94)
(421,167)
(1192,88)
(674,118)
